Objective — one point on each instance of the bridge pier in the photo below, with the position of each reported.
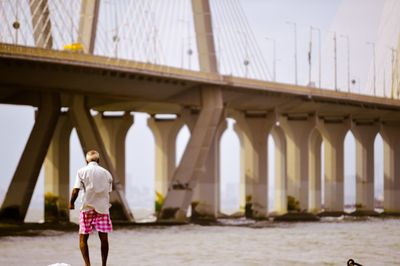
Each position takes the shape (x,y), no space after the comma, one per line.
(165,132)
(90,138)
(206,199)
(297,128)
(56,173)
(315,171)
(390,134)
(365,133)
(113,130)
(255,160)
(246,163)
(206,195)
(193,162)
(334,130)
(280,170)
(19,194)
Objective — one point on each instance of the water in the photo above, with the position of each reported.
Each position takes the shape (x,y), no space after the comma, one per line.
(330,242)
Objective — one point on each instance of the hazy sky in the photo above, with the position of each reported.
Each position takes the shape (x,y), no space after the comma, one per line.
(358,19)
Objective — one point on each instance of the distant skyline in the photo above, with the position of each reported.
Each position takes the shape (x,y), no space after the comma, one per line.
(358,19)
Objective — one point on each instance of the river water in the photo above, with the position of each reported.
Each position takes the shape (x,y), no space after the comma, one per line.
(372,241)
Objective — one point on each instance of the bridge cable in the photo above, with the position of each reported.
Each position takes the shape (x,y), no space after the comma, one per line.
(42,35)
(236,47)
(6,22)
(248,41)
(262,66)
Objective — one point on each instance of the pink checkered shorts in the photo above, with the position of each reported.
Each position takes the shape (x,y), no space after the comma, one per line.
(92,219)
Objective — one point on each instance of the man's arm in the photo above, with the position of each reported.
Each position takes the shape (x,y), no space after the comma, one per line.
(74,196)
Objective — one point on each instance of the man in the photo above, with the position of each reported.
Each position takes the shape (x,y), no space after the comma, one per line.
(96,183)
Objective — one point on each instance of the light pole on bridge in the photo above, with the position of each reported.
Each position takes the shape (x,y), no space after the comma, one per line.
(393,51)
(274,57)
(335,58)
(319,54)
(295,49)
(348,60)
(374,64)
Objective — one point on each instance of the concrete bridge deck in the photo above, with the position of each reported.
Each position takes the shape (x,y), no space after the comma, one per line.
(116,84)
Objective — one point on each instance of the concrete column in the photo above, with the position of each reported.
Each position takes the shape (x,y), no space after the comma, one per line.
(395,86)
(390,134)
(165,132)
(315,171)
(189,118)
(206,195)
(207,202)
(297,128)
(88,24)
(193,162)
(113,130)
(41,23)
(257,128)
(90,138)
(365,133)
(246,164)
(204,36)
(280,170)
(334,131)
(56,173)
(19,194)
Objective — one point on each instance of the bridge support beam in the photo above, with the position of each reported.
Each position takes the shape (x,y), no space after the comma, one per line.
(390,134)
(113,130)
(315,171)
(204,36)
(246,164)
(90,138)
(333,132)
(88,24)
(19,194)
(206,201)
(364,133)
(297,129)
(56,173)
(165,132)
(206,196)
(256,128)
(280,170)
(193,162)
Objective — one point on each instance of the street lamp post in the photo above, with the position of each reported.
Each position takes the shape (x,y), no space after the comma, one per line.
(392,83)
(295,49)
(348,60)
(319,55)
(310,58)
(374,64)
(274,57)
(335,59)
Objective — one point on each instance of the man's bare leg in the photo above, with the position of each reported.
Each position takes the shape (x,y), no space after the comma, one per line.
(84,248)
(104,247)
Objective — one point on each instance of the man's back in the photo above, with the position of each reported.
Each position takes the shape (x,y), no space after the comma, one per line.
(96,183)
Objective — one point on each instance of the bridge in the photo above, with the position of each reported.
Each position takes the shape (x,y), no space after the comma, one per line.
(66,83)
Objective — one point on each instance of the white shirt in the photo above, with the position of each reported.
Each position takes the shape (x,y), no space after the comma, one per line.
(96,183)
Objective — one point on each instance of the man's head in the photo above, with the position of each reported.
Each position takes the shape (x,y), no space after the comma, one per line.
(92,156)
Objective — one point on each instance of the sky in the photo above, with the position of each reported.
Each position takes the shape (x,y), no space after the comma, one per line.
(360,20)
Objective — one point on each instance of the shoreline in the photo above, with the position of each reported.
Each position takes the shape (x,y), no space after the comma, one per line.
(32,229)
